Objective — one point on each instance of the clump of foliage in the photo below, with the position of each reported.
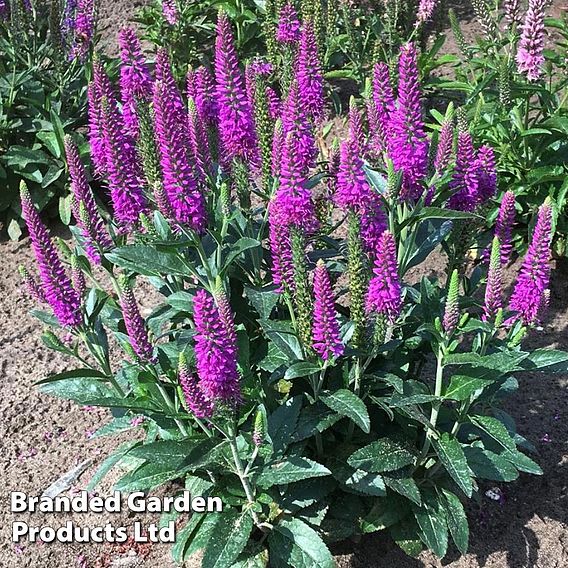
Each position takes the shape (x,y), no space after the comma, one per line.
(293,368)
(43,81)
(515,84)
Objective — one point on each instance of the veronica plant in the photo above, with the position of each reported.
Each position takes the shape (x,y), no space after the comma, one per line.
(515,88)
(42,97)
(292,367)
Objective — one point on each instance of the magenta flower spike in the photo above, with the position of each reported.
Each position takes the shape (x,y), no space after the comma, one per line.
(530,57)
(373,224)
(384,295)
(494,288)
(170,11)
(277,145)
(425,10)
(94,231)
(408,145)
(236,122)
(293,196)
(357,130)
(32,287)
(326,337)
(530,294)
(56,285)
(295,122)
(125,177)
(383,107)
(205,99)
(258,67)
(134,322)
(85,19)
(164,75)
(445,147)
(99,88)
(274,103)
(180,183)
(486,174)
(192,393)
(215,350)
(465,180)
(309,73)
(353,190)
(512,11)
(504,226)
(135,78)
(280,248)
(288,30)
(197,136)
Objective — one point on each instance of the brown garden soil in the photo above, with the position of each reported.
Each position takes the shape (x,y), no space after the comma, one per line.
(42,438)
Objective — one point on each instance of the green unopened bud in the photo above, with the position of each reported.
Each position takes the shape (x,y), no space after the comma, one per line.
(51,340)
(505,83)
(260,427)
(63,248)
(302,291)
(241,181)
(147,225)
(485,18)
(451,312)
(518,337)
(458,34)
(225,199)
(358,278)
(264,130)
(499,318)
(146,144)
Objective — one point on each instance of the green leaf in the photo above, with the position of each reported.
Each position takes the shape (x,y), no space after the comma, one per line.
(385,513)
(202,536)
(83,391)
(147,260)
(383,455)
(451,455)
(547,360)
(263,300)
(457,520)
(314,418)
(243,244)
(497,432)
(110,462)
(20,157)
(488,465)
(301,369)
(405,486)
(148,476)
(282,423)
(431,519)
(183,536)
(50,141)
(348,404)
(461,387)
(289,470)
(252,557)
(228,539)
(294,544)
(367,483)
(441,213)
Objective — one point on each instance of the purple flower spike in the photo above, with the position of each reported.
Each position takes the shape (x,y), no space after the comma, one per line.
(408,145)
(465,182)
(288,30)
(293,196)
(135,78)
(274,103)
(94,232)
(215,350)
(445,147)
(530,58)
(512,11)
(236,123)
(353,190)
(98,89)
(326,337)
(494,288)
(192,393)
(425,10)
(373,224)
(486,173)
(504,226)
(180,185)
(356,129)
(56,285)
(382,106)
(164,74)
(170,11)
(124,173)
(32,287)
(384,294)
(530,296)
(296,123)
(84,28)
(309,73)
(134,322)
(205,96)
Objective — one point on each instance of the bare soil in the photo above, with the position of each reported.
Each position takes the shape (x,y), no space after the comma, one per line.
(41,437)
